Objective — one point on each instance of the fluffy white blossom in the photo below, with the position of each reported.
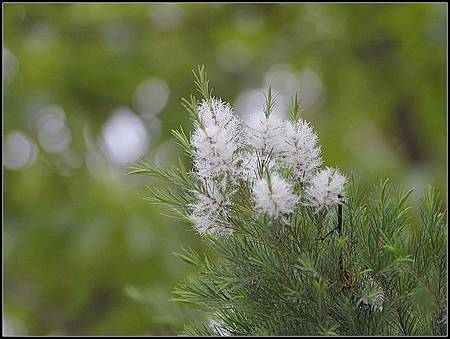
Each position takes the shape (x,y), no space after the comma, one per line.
(215,112)
(326,188)
(265,134)
(253,164)
(225,152)
(274,196)
(216,142)
(209,210)
(215,149)
(301,149)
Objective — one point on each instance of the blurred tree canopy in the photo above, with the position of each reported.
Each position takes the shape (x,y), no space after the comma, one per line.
(90,88)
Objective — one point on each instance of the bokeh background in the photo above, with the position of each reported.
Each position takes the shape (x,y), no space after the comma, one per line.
(89,89)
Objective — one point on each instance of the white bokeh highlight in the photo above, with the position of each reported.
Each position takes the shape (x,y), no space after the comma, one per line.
(151,96)
(54,135)
(124,138)
(19,151)
(42,36)
(251,103)
(166,17)
(10,65)
(286,81)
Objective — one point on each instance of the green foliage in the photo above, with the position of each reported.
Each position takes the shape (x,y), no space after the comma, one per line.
(366,268)
(285,280)
(74,237)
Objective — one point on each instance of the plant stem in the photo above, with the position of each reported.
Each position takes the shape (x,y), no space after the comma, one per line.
(339,229)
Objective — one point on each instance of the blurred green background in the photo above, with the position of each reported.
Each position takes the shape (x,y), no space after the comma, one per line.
(88,89)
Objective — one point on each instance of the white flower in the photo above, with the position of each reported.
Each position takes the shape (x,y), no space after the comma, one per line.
(215,149)
(253,164)
(265,134)
(301,149)
(209,210)
(216,142)
(215,112)
(274,196)
(326,188)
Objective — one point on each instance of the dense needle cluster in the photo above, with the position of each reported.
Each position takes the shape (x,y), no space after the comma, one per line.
(297,249)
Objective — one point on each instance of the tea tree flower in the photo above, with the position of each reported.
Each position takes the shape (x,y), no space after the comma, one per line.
(264,130)
(347,273)
(265,134)
(215,112)
(326,188)
(209,211)
(215,149)
(301,149)
(254,164)
(274,195)
(215,141)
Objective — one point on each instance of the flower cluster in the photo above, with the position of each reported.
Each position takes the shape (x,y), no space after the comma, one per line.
(209,211)
(326,188)
(279,160)
(274,195)
(216,140)
(264,134)
(301,149)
